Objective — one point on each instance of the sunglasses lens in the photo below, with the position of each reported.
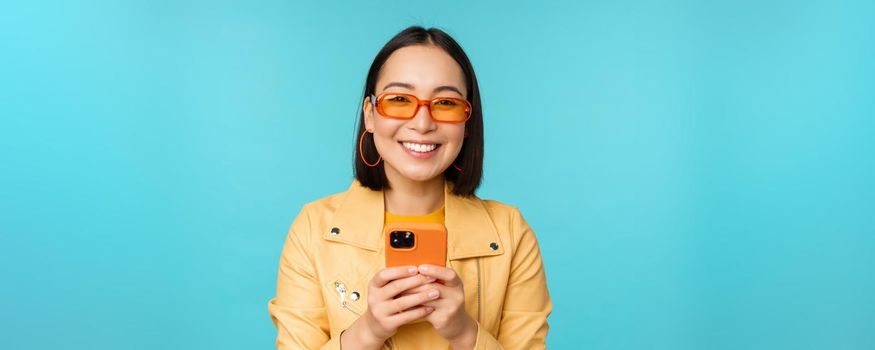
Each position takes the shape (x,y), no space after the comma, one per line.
(449,109)
(404,106)
(398,105)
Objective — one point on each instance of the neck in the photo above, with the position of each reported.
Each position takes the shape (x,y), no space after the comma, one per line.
(410,197)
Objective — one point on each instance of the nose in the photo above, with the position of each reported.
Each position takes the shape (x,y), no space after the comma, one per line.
(422,121)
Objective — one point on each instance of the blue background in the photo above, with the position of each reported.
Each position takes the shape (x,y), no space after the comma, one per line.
(699,175)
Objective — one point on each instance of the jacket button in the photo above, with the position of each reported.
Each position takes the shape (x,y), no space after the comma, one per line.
(335,231)
(354,296)
(493,245)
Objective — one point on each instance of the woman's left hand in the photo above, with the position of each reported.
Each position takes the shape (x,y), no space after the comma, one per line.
(449,317)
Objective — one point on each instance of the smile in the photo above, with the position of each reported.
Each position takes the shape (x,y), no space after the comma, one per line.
(419,147)
(420,150)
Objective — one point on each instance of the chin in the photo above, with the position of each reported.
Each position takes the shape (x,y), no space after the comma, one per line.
(419,177)
(419,174)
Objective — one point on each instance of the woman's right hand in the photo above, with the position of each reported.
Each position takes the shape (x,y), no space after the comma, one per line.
(386,309)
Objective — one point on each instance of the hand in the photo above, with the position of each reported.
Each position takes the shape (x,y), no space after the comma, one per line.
(385,312)
(449,317)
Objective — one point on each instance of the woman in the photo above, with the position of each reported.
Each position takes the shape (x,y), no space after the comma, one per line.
(419,158)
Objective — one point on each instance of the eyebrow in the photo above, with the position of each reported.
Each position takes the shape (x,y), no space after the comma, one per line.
(409,86)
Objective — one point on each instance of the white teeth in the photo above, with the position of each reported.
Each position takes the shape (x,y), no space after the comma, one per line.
(418,147)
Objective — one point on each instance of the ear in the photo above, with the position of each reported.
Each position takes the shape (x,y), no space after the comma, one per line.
(368,111)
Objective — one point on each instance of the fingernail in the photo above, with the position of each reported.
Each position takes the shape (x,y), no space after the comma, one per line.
(430,279)
(433,294)
(429,309)
(411,270)
(423,268)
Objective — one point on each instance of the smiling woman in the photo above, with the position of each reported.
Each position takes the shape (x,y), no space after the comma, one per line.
(428,64)
(418,160)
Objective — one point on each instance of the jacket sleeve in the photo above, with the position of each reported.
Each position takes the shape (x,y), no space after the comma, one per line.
(527,302)
(297,310)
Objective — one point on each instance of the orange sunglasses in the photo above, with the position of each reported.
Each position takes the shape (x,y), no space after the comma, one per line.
(405,106)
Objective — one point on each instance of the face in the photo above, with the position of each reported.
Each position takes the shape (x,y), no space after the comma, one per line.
(426,72)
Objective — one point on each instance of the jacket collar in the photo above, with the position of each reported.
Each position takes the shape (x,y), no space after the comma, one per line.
(470,231)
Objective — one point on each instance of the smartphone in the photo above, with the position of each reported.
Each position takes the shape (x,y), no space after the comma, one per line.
(415,243)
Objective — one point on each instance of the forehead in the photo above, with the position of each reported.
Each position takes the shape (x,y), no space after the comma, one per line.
(423,66)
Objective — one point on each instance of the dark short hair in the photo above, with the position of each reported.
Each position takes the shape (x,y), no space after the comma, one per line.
(470,158)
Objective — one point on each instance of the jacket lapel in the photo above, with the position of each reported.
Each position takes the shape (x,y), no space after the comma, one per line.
(359,222)
(470,230)
(359,218)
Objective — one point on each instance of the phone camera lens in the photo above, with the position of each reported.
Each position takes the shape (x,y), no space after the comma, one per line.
(402,239)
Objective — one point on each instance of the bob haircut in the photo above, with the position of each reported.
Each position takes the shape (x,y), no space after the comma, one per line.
(470,158)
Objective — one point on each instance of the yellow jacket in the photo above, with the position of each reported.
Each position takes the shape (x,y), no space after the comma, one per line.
(335,246)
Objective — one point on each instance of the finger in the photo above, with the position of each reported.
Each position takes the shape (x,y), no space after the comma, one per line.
(384,276)
(395,287)
(424,287)
(436,304)
(412,314)
(451,295)
(445,274)
(406,302)
(419,289)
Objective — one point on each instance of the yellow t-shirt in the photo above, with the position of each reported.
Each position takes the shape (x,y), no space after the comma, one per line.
(436,217)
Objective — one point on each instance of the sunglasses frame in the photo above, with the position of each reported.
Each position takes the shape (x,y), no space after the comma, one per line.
(375,100)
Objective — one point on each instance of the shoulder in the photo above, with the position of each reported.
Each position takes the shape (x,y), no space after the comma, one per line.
(515,231)
(506,217)
(497,210)
(314,213)
(326,204)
